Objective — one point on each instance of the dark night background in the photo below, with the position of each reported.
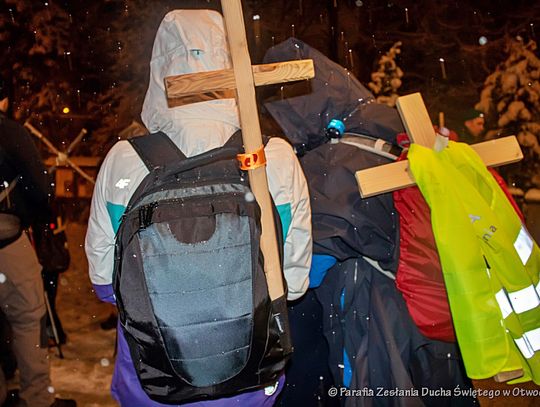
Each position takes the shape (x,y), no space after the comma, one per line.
(93,56)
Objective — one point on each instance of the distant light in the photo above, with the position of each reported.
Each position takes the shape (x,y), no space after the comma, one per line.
(256,17)
(441,59)
(482,40)
(65,110)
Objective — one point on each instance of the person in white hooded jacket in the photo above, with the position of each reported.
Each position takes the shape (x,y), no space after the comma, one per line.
(190,41)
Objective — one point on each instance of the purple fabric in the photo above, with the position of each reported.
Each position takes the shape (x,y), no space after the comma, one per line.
(105,293)
(127,390)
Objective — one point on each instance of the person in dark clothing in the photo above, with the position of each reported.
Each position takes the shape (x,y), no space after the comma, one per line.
(24,194)
(472,126)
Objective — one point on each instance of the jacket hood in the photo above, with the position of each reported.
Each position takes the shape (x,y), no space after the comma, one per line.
(189,41)
(335,94)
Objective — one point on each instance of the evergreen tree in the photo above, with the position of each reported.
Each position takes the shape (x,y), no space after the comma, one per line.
(510,100)
(386,81)
(123,49)
(36,38)
(48,60)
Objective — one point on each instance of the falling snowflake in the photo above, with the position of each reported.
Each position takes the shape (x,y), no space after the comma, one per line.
(249,197)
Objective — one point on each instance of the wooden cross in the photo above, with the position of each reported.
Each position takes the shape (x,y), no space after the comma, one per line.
(394,176)
(413,112)
(62,157)
(244,77)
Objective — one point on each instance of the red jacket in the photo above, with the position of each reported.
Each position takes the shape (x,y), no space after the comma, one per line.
(419,276)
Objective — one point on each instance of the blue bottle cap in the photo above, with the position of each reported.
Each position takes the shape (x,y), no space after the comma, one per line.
(337,125)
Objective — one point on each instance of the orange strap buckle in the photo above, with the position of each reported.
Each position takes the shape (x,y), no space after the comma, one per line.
(250,161)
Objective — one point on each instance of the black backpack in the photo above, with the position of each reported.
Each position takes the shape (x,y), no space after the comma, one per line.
(189,281)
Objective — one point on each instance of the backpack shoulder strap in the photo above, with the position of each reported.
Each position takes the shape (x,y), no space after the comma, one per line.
(156,150)
(236,140)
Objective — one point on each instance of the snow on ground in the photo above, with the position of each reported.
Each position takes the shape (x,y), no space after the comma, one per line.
(86,370)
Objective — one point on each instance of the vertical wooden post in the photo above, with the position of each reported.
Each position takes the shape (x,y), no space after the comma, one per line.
(251,133)
(416,119)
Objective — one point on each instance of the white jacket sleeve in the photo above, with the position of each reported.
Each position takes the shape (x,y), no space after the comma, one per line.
(99,242)
(289,190)
(120,174)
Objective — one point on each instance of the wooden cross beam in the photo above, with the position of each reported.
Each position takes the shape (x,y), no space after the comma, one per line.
(243,77)
(413,112)
(394,176)
(197,87)
(62,156)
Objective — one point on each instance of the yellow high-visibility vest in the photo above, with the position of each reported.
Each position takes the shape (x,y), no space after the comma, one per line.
(490,263)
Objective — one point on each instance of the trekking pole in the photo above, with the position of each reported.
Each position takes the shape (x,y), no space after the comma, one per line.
(53,326)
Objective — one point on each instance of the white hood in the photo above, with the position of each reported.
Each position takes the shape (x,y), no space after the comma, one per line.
(189,41)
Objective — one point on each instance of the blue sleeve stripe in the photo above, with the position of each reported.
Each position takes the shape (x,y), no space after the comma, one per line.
(115,213)
(285,215)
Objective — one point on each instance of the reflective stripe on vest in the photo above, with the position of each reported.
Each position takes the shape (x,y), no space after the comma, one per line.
(518,301)
(524,300)
(504,303)
(529,343)
(524,245)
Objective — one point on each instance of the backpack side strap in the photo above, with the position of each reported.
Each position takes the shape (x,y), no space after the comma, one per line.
(156,150)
